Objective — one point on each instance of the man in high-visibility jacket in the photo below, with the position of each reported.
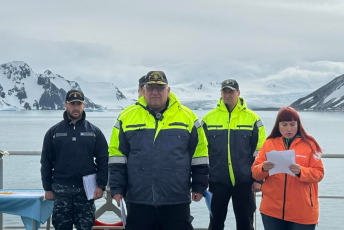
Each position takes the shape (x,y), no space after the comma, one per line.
(158,159)
(142,81)
(235,134)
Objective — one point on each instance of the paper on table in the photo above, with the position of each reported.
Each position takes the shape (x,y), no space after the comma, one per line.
(282,160)
(90,185)
(124,216)
(208,195)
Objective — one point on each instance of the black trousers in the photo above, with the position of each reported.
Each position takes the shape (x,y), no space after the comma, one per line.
(243,202)
(166,217)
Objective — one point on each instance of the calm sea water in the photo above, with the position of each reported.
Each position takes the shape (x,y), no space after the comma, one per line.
(24,130)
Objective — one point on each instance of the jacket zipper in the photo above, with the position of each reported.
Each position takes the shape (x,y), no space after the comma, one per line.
(310,195)
(286,145)
(74,134)
(229,149)
(284,195)
(156,129)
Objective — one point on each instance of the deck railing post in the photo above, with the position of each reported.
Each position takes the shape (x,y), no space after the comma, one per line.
(1,174)
(1,185)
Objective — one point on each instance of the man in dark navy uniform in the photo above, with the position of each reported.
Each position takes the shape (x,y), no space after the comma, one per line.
(73,148)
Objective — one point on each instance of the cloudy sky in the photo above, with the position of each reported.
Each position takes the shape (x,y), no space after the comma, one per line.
(119,41)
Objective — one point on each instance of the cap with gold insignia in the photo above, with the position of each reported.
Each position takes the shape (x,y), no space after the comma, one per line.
(230,84)
(74,95)
(156,77)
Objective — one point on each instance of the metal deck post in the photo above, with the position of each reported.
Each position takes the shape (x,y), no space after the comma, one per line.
(108,206)
(1,185)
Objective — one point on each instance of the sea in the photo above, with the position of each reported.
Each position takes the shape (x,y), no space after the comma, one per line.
(24,130)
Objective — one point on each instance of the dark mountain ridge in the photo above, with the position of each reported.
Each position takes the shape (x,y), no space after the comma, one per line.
(329,97)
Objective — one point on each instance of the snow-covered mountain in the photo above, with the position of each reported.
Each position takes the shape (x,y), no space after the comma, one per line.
(107,94)
(21,88)
(205,95)
(327,97)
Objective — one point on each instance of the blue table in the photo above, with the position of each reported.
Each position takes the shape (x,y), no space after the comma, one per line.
(29,204)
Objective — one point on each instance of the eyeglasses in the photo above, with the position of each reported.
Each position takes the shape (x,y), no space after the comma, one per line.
(159,88)
(226,90)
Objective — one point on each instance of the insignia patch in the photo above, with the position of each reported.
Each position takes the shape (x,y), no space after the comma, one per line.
(75,94)
(155,76)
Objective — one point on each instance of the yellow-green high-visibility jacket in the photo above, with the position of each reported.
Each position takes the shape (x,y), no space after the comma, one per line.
(233,141)
(157,161)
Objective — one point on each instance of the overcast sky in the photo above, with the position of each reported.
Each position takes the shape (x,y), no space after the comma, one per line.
(119,41)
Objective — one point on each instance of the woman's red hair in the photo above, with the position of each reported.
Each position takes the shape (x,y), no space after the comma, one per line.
(289,114)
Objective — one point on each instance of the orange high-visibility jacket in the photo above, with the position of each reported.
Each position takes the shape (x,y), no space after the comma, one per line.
(286,197)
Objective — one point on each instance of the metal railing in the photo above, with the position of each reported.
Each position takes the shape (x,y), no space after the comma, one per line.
(109,206)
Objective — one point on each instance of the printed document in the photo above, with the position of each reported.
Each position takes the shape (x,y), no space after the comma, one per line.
(124,216)
(282,160)
(208,195)
(90,185)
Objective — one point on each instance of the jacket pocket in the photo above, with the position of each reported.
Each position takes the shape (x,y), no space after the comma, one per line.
(241,143)
(214,137)
(138,185)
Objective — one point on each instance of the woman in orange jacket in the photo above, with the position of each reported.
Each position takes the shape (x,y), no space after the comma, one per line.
(290,202)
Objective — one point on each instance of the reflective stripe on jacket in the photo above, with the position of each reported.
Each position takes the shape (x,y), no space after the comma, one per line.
(153,160)
(287,197)
(233,140)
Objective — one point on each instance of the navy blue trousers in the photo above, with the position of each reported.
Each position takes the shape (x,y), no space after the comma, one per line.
(271,223)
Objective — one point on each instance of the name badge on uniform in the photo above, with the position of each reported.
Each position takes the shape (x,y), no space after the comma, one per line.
(87,134)
(61,134)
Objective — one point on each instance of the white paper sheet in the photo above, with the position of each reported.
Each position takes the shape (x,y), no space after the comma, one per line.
(282,160)
(90,185)
(124,216)
(208,196)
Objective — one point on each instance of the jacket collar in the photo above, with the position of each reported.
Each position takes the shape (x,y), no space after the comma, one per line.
(297,138)
(173,99)
(241,105)
(67,120)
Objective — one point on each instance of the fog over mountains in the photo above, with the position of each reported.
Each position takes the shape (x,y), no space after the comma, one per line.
(22,88)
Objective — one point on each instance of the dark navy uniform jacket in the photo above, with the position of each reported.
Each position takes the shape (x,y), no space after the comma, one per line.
(73,151)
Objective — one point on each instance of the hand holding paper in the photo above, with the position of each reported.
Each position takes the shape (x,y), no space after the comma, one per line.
(90,185)
(282,160)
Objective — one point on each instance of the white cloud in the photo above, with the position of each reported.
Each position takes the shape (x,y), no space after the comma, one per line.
(122,40)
